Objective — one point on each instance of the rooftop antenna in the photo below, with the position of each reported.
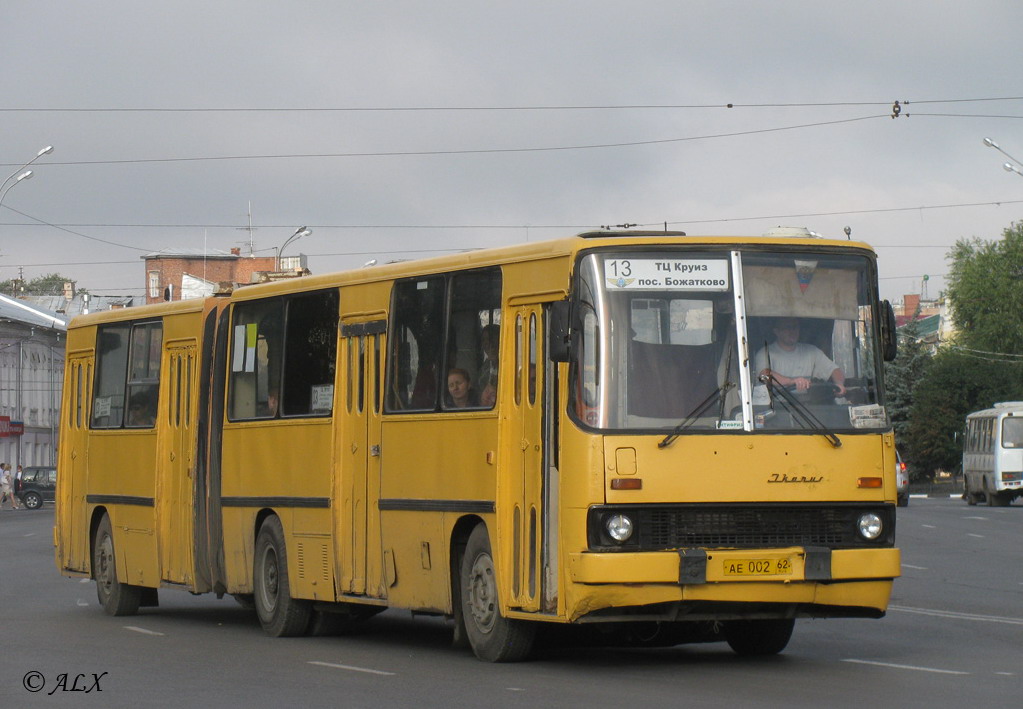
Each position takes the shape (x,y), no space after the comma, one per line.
(250,229)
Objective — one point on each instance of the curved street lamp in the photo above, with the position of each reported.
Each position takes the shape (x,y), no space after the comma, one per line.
(299,233)
(1008,167)
(23,176)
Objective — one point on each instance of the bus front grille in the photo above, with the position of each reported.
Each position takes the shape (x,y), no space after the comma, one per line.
(664,527)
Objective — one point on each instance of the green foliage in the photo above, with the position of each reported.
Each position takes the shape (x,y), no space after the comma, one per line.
(50,284)
(985,292)
(985,299)
(901,377)
(955,385)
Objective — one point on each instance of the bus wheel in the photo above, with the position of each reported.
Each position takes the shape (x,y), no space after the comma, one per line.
(759,637)
(116,598)
(493,637)
(279,613)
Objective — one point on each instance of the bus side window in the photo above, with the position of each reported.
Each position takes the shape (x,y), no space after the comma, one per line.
(415,342)
(310,351)
(254,387)
(144,374)
(475,304)
(127,375)
(111,368)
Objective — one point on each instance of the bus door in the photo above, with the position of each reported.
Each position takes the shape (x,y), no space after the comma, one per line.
(529,475)
(74,524)
(357,466)
(177,465)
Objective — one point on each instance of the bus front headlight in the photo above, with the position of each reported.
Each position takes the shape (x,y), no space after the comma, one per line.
(619,527)
(870,526)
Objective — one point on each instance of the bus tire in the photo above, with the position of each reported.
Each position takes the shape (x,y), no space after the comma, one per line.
(493,637)
(279,613)
(759,637)
(115,597)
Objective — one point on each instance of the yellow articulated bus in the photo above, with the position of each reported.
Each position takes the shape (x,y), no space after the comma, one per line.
(677,438)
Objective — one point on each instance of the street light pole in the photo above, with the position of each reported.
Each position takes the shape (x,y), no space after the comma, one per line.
(299,233)
(23,176)
(1008,167)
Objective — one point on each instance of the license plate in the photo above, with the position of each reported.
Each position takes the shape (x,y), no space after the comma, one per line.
(758,567)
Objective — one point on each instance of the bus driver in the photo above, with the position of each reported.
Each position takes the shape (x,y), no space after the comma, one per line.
(794,363)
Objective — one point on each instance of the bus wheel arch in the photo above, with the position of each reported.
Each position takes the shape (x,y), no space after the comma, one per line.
(279,613)
(493,637)
(116,598)
(459,539)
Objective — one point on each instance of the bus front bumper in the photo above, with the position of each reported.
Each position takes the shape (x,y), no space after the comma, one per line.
(697,567)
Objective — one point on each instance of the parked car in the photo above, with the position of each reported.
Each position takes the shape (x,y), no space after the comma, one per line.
(37,484)
(901,480)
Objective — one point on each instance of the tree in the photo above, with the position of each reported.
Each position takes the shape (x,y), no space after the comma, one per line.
(901,378)
(50,284)
(984,363)
(956,383)
(985,292)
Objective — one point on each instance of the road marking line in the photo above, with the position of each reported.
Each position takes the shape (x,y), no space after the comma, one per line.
(350,667)
(978,536)
(85,581)
(82,603)
(958,616)
(982,518)
(136,629)
(907,667)
(918,568)
(928,526)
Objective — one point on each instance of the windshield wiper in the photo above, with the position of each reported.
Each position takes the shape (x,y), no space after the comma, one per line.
(799,410)
(715,396)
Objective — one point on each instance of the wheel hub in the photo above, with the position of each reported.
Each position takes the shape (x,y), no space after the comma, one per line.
(483,594)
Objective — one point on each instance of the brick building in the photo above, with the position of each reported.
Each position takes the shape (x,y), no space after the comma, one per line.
(174,274)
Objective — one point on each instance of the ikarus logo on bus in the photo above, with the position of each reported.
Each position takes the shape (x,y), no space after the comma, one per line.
(786,478)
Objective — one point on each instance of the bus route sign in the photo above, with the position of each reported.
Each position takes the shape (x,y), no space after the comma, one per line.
(666,274)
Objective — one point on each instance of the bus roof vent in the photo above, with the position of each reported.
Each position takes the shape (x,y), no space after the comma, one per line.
(792,232)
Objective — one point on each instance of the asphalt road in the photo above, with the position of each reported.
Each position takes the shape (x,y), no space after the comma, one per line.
(953,637)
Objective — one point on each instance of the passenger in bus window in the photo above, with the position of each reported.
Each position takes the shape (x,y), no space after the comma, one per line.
(270,408)
(460,393)
(141,409)
(489,395)
(794,363)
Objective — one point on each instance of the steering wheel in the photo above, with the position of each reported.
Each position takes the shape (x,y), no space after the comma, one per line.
(821,391)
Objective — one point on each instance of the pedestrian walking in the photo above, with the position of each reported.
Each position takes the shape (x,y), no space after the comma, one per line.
(7,488)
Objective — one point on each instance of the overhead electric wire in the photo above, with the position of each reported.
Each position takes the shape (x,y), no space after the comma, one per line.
(467,151)
(76,233)
(715,220)
(554,107)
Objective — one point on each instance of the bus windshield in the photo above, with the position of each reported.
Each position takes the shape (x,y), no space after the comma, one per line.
(670,340)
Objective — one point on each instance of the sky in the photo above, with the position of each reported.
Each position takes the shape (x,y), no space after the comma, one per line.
(402,129)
